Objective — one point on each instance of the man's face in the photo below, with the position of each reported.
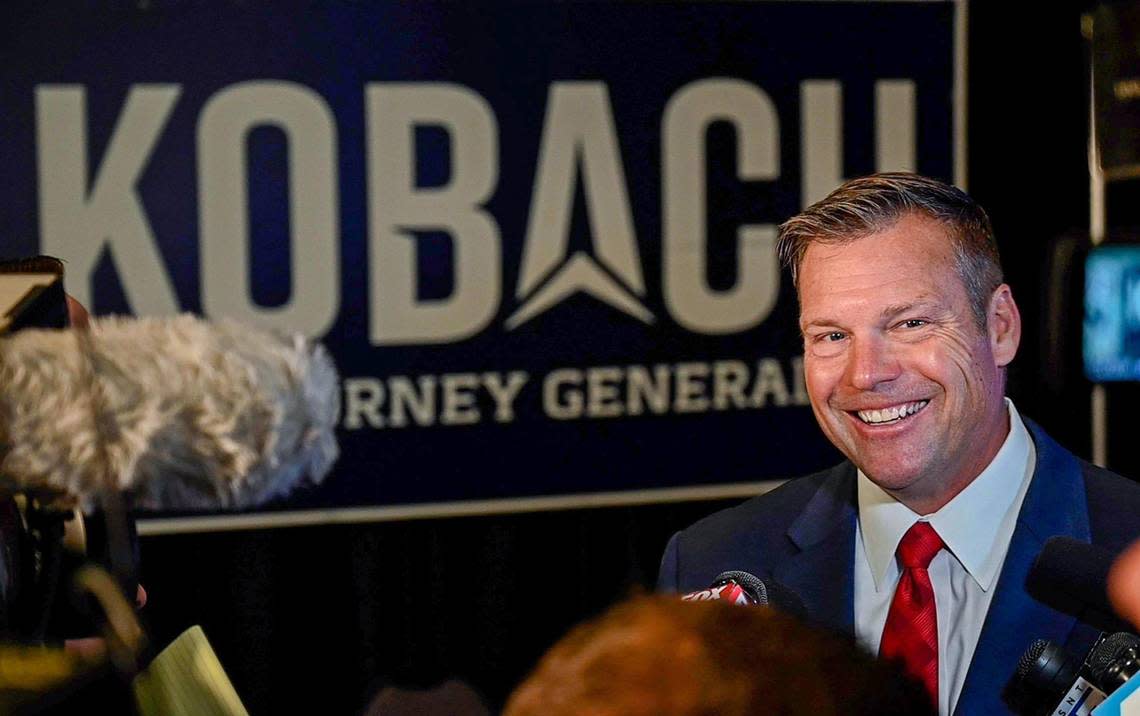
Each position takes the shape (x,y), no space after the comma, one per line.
(901,378)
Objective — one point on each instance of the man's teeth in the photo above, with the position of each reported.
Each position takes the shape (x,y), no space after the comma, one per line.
(887,415)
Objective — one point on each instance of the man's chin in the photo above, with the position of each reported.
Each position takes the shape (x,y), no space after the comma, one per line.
(892,477)
(923,497)
(896,485)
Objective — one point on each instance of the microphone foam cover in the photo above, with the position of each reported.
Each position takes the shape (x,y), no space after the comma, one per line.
(182,413)
(1071,576)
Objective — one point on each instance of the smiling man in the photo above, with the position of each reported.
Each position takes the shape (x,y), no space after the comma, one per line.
(920,543)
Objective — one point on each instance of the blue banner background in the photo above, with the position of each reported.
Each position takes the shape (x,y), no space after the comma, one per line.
(509,54)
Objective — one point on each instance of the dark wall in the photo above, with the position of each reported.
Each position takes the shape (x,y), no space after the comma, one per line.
(315,619)
(1028,157)
(1028,117)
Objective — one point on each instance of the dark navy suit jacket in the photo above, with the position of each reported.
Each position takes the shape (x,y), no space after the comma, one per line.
(803,535)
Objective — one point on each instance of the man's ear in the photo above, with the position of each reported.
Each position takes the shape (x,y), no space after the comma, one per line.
(1003,322)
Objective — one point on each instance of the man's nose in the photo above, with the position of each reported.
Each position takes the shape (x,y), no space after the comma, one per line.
(870,363)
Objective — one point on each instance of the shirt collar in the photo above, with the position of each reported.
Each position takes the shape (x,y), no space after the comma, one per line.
(970,524)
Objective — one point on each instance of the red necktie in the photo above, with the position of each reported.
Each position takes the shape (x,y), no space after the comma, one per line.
(911,632)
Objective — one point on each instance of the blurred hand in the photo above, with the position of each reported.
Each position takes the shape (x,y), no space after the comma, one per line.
(1124,584)
(94,648)
(90,649)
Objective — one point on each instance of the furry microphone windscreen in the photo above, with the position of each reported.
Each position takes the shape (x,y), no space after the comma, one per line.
(180,413)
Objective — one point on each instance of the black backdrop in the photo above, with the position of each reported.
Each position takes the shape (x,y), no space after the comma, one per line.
(318,618)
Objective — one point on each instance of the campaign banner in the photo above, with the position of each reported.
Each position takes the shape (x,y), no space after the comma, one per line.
(537,238)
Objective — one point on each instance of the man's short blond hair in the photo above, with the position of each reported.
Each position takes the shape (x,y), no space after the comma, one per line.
(875,203)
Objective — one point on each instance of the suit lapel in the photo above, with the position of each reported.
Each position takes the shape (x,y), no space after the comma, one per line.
(1055,504)
(821,573)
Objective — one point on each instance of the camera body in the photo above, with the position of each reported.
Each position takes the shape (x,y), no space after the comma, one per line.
(36,545)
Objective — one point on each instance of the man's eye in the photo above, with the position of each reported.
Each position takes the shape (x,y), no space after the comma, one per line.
(913,323)
(834,336)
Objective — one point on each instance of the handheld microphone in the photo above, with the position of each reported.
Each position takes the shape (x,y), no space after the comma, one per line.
(1071,576)
(740,587)
(735,587)
(1114,660)
(1117,670)
(1048,680)
(180,413)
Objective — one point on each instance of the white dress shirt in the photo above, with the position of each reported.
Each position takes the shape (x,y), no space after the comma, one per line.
(975,527)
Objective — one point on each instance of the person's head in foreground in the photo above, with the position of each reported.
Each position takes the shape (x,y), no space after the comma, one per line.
(664,656)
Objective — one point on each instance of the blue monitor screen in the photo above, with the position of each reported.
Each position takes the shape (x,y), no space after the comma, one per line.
(1112,314)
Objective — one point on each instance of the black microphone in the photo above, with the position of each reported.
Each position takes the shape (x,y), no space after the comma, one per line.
(744,588)
(1114,660)
(735,587)
(1119,675)
(1070,576)
(1049,680)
